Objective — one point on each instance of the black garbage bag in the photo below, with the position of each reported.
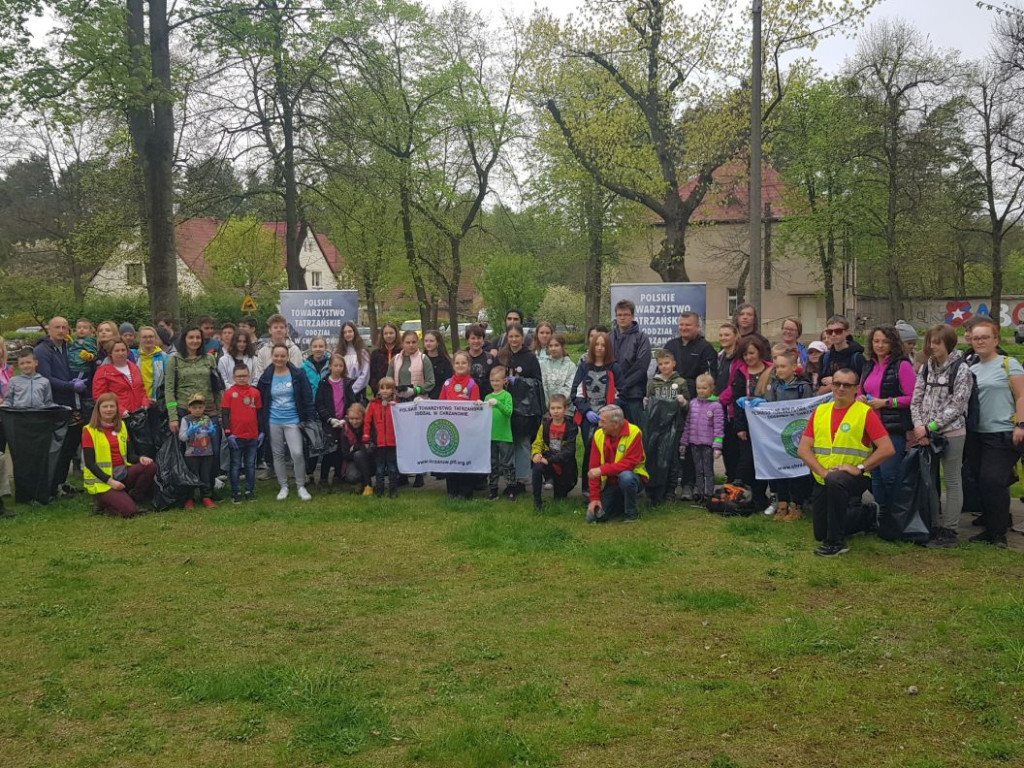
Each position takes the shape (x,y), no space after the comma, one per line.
(317,441)
(527,406)
(174,481)
(140,432)
(35,436)
(660,427)
(916,501)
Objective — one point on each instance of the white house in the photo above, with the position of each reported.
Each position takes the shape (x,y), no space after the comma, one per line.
(126,271)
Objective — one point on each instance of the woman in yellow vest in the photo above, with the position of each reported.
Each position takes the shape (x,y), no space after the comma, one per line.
(843,442)
(117,484)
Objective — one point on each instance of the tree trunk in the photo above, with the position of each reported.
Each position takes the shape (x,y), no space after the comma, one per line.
(405,199)
(741,284)
(670,261)
(593,216)
(960,272)
(370,294)
(293,237)
(997,273)
(453,291)
(827,260)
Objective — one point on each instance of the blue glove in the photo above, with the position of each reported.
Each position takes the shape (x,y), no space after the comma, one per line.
(79,385)
(233,442)
(259,440)
(592,417)
(756,401)
(513,379)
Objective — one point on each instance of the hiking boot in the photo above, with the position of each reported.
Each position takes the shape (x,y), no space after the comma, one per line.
(782,511)
(368,490)
(796,512)
(831,550)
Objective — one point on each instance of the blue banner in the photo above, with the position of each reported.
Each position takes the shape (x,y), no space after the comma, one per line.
(658,306)
(318,313)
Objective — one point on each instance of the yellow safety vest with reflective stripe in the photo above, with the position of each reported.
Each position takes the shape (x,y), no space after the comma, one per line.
(104,458)
(847,447)
(630,434)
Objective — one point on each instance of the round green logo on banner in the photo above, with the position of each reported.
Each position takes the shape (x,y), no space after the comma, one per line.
(791,435)
(442,438)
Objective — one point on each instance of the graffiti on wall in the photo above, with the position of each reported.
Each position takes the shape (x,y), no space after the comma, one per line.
(959,312)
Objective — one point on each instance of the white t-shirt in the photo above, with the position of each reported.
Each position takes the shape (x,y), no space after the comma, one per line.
(995,397)
(125,371)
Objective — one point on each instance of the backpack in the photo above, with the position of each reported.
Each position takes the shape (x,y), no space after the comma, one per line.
(731,500)
(973,416)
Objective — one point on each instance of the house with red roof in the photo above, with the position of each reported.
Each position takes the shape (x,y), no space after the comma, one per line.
(126,271)
(717,244)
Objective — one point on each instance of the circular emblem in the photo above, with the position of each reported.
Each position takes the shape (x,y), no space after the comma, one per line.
(245,400)
(791,435)
(442,438)
(844,427)
(458,387)
(234,394)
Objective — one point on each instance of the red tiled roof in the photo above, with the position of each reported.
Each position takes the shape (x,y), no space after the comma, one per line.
(192,236)
(728,199)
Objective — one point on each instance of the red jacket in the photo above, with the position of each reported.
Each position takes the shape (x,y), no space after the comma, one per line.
(467,389)
(131,396)
(612,464)
(379,427)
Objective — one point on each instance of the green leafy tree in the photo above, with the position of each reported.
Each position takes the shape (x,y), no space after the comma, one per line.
(562,306)
(507,282)
(245,257)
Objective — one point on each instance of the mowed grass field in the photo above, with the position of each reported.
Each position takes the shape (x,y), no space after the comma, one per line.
(369,632)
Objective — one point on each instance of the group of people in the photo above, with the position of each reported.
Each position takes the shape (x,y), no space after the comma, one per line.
(235,402)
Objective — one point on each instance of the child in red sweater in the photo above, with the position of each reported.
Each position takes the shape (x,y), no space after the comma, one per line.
(460,387)
(379,436)
(239,411)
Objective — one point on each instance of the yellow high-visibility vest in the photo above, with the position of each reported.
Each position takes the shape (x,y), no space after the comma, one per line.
(847,447)
(104,457)
(626,439)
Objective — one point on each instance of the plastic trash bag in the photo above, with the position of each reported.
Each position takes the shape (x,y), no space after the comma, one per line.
(316,440)
(174,481)
(660,427)
(916,501)
(35,437)
(527,407)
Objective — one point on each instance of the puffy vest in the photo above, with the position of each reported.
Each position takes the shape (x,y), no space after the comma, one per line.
(104,458)
(897,421)
(848,445)
(626,439)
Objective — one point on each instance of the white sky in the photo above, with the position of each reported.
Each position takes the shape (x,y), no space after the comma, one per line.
(958,24)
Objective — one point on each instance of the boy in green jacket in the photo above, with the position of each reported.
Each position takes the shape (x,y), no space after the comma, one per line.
(502,455)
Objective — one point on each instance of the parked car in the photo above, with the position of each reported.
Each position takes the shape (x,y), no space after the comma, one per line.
(413,325)
(30,329)
(366,334)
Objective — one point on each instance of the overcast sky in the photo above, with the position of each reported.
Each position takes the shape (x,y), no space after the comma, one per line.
(956,24)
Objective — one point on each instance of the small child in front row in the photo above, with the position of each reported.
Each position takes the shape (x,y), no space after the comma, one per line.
(703,435)
(240,417)
(379,436)
(196,431)
(784,383)
(502,453)
(460,387)
(554,451)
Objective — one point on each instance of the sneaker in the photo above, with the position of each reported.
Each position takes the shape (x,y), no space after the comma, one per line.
(209,503)
(1018,528)
(549,486)
(304,494)
(631,519)
(283,493)
(7,513)
(981,538)
(249,497)
(492,495)
(686,493)
(831,550)
(979,521)
(418,482)
(236,499)
(368,490)
(771,509)
(393,493)
(69,490)
(190,505)
(943,538)
(999,540)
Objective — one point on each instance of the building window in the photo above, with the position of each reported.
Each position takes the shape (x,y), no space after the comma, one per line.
(136,275)
(314,279)
(734,301)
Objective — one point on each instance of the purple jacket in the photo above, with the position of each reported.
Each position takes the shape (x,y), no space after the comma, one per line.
(705,423)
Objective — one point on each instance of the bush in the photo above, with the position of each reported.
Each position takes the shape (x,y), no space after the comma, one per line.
(562,306)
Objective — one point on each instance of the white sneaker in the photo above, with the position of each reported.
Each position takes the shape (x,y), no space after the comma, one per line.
(283,493)
(304,494)
(548,486)
(771,509)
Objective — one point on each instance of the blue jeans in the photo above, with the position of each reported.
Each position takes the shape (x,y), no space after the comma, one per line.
(886,476)
(620,499)
(245,455)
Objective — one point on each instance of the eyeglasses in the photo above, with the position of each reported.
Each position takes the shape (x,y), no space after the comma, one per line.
(842,385)
(833,331)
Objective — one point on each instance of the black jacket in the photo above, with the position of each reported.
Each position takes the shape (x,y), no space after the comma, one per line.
(53,365)
(836,359)
(566,456)
(693,359)
(442,372)
(303,394)
(633,356)
(324,402)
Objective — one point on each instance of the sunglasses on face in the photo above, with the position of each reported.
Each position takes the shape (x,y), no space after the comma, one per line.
(842,385)
(833,331)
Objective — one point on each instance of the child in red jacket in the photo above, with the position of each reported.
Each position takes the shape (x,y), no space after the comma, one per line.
(460,387)
(379,436)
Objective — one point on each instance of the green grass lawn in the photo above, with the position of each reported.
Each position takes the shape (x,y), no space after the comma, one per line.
(368,632)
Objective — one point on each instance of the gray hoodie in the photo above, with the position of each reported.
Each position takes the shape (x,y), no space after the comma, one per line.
(29,392)
(935,400)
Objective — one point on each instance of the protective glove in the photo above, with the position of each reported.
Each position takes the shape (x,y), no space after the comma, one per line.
(681,399)
(592,417)
(260,439)
(80,385)
(233,442)
(513,379)
(756,401)
(405,393)
(492,403)
(336,423)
